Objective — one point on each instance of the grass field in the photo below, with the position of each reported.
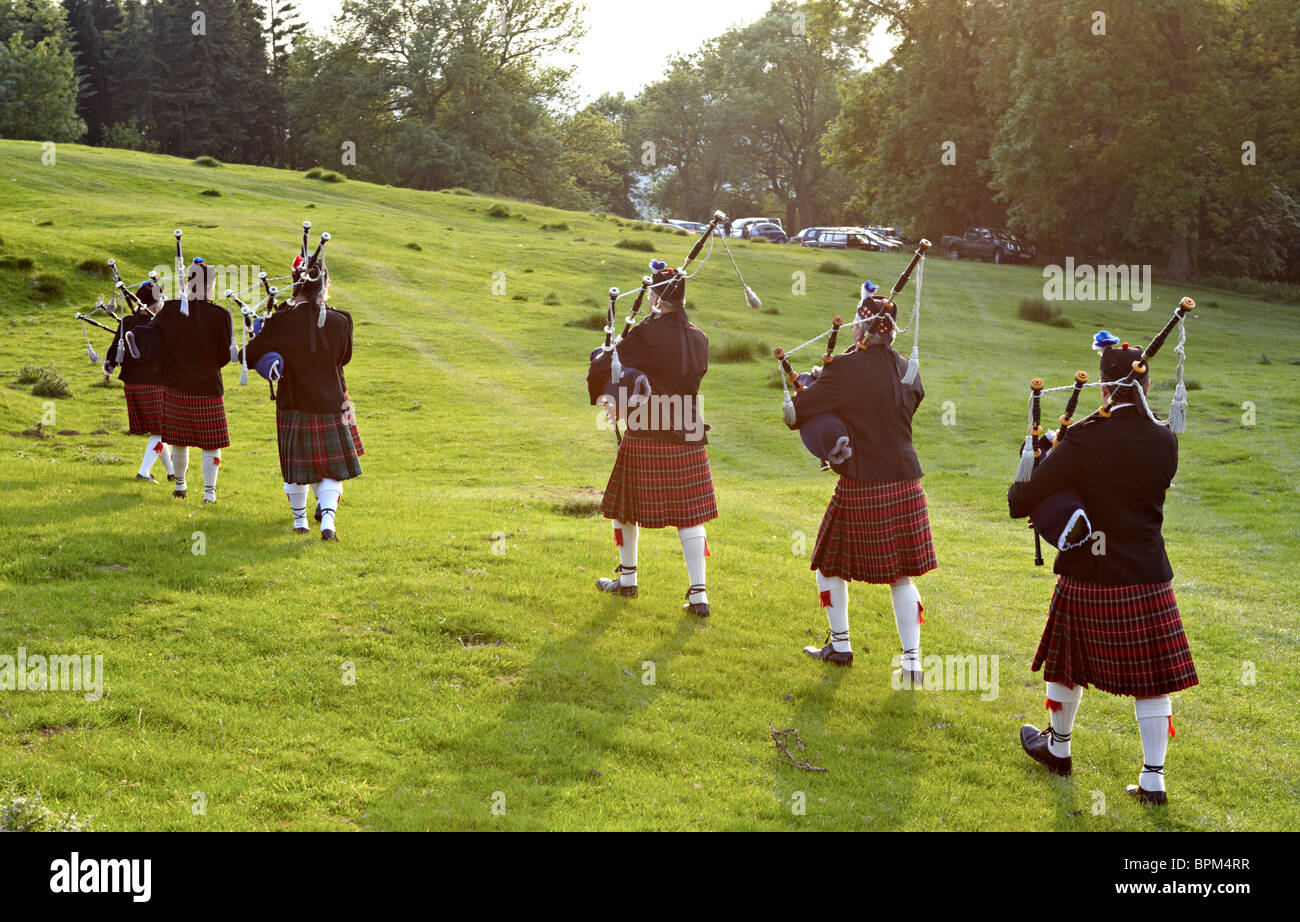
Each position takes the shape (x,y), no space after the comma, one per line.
(488,672)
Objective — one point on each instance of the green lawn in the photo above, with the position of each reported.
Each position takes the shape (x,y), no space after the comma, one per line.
(487,669)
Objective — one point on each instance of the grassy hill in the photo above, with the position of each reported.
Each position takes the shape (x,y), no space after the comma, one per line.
(487,669)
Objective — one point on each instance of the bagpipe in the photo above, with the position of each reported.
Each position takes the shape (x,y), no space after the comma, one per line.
(631,381)
(131,302)
(1061,517)
(826,436)
(309,268)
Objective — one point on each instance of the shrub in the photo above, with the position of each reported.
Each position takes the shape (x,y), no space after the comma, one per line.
(737,350)
(416,247)
(314,173)
(459,190)
(205,160)
(331,176)
(579,508)
(19,813)
(641,245)
(1274,290)
(29,373)
(50,384)
(93,267)
(594,321)
(498,211)
(1036,310)
(215,193)
(21,263)
(831,267)
(47,284)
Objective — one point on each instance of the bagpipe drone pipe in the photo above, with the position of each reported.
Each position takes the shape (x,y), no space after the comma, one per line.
(1061,517)
(131,303)
(826,436)
(631,384)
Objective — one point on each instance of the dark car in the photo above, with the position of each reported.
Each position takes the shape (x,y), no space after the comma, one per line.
(768,232)
(842,238)
(991,243)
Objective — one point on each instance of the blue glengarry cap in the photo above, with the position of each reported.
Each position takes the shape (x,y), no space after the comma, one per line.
(658,265)
(869,288)
(1103,339)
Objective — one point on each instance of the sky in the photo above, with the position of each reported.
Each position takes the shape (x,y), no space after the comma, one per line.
(611,58)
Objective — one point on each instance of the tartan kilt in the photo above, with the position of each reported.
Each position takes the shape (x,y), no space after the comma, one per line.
(875,532)
(144,408)
(314,446)
(660,485)
(1126,640)
(194,420)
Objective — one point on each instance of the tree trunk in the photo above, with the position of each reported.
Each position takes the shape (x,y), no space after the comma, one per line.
(1178,269)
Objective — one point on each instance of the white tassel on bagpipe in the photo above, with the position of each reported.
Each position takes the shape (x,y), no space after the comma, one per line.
(90,351)
(1025,471)
(1178,408)
(180,275)
(914,361)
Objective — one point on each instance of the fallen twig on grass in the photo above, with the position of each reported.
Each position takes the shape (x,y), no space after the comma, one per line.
(782,740)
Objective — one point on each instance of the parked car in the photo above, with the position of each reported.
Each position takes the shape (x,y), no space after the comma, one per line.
(738,225)
(989,243)
(799,237)
(843,238)
(768,231)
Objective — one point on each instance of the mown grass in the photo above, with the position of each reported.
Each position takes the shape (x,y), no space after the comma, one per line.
(462,591)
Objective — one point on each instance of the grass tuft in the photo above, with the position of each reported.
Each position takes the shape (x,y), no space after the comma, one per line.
(205,160)
(498,211)
(737,349)
(636,243)
(1037,310)
(831,267)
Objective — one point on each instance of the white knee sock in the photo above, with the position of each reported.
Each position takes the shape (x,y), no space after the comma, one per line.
(625,538)
(907,618)
(181,463)
(1062,705)
(151,452)
(833,593)
(164,452)
(211,467)
(297,494)
(327,494)
(694,547)
(1154,717)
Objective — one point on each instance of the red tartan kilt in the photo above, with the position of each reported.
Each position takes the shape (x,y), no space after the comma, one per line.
(875,532)
(194,420)
(660,485)
(314,446)
(144,408)
(1126,640)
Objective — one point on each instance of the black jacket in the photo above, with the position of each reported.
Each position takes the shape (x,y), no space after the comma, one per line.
(194,349)
(674,355)
(133,371)
(314,357)
(865,388)
(1120,467)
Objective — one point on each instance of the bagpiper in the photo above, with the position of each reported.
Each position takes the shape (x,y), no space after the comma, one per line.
(661,477)
(1113,623)
(144,395)
(191,340)
(304,347)
(877,526)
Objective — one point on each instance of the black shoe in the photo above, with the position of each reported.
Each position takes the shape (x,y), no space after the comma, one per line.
(302,531)
(830,655)
(327,534)
(319,512)
(147,478)
(178,494)
(1145,797)
(695,608)
(171,478)
(614,586)
(1035,742)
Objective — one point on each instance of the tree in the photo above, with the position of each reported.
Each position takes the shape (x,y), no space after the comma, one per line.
(38,82)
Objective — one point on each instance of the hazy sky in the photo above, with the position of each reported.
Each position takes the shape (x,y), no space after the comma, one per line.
(611,57)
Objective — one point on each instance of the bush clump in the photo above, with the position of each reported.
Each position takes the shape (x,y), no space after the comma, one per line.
(214,193)
(205,160)
(595,321)
(633,243)
(20,813)
(551,299)
(20,263)
(737,350)
(459,190)
(1036,310)
(314,173)
(831,267)
(416,247)
(498,211)
(50,384)
(332,176)
(47,284)
(561,226)
(94,267)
